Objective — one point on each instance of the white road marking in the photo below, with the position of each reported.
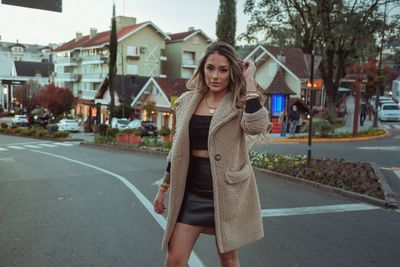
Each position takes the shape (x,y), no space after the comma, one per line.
(32,146)
(62,144)
(396,171)
(16,147)
(317,210)
(3,149)
(388,148)
(48,145)
(397,126)
(8,159)
(387,127)
(194,259)
(22,143)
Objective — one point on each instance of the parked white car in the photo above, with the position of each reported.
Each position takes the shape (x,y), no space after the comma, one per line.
(19,120)
(382,99)
(119,123)
(70,125)
(389,112)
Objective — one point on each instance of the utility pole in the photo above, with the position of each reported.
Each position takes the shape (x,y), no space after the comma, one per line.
(311,109)
(378,78)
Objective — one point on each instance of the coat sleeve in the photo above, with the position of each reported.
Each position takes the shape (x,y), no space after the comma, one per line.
(256,123)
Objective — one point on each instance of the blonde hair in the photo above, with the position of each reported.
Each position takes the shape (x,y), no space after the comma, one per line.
(237,83)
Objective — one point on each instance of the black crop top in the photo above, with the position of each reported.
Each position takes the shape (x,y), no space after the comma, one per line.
(199,126)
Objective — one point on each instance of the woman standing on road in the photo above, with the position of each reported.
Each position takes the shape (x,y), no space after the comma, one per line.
(213,187)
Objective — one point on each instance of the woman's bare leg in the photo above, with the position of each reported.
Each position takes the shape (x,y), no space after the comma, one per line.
(229,259)
(181,244)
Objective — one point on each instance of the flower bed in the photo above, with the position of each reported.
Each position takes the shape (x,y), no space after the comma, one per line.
(357,177)
(365,133)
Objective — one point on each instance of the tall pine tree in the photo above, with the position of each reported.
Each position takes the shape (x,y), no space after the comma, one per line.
(112,70)
(226,21)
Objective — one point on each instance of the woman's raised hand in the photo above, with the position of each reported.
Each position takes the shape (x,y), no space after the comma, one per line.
(249,69)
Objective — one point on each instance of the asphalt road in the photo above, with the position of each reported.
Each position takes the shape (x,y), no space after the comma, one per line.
(68,205)
(385,152)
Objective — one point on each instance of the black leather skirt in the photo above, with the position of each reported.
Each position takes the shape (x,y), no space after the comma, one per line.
(198,202)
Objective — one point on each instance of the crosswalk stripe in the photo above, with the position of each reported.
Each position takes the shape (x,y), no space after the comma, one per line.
(387,127)
(3,149)
(396,171)
(397,126)
(32,146)
(48,145)
(16,147)
(62,144)
(317,210)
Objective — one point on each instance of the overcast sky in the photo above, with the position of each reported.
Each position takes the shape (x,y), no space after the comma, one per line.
(34,26)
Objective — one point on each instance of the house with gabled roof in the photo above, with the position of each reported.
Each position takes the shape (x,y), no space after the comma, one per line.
(184,50)
(81,64)
(139,92)
(283,75)
(293,70)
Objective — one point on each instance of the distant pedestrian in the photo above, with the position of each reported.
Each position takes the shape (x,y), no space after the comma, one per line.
(363,113)
(294,118)
(283,122)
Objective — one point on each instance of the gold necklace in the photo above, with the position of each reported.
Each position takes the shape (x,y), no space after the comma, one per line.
(210,109)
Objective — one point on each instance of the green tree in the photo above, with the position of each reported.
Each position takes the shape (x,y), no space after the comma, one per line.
(112,71)
(226,22)
(333,29)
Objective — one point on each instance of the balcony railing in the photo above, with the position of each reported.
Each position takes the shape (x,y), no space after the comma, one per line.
(66,61)
(94,59)
(93,77)
(67,77)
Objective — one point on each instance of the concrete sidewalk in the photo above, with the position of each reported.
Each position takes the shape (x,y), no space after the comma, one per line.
(349,122)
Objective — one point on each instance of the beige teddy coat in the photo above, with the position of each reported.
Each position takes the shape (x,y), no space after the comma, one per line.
(237,208)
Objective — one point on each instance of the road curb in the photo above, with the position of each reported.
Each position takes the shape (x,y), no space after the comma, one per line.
(390,196)
(125,148)
(328,140)
(387,203)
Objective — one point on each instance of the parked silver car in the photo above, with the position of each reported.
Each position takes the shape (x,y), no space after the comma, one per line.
(19,120)
(70,125)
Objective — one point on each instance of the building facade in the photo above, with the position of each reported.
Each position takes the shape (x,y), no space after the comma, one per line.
(20,63)
(144,50)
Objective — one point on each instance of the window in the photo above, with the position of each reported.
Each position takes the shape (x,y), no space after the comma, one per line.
(188,58)
(132,51)
(132,69)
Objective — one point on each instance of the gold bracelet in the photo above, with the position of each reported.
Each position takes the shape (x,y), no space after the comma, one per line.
(164,187)
(252,96)
(253,93)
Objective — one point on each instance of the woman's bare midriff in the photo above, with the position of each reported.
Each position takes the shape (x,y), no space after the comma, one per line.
(200,153)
